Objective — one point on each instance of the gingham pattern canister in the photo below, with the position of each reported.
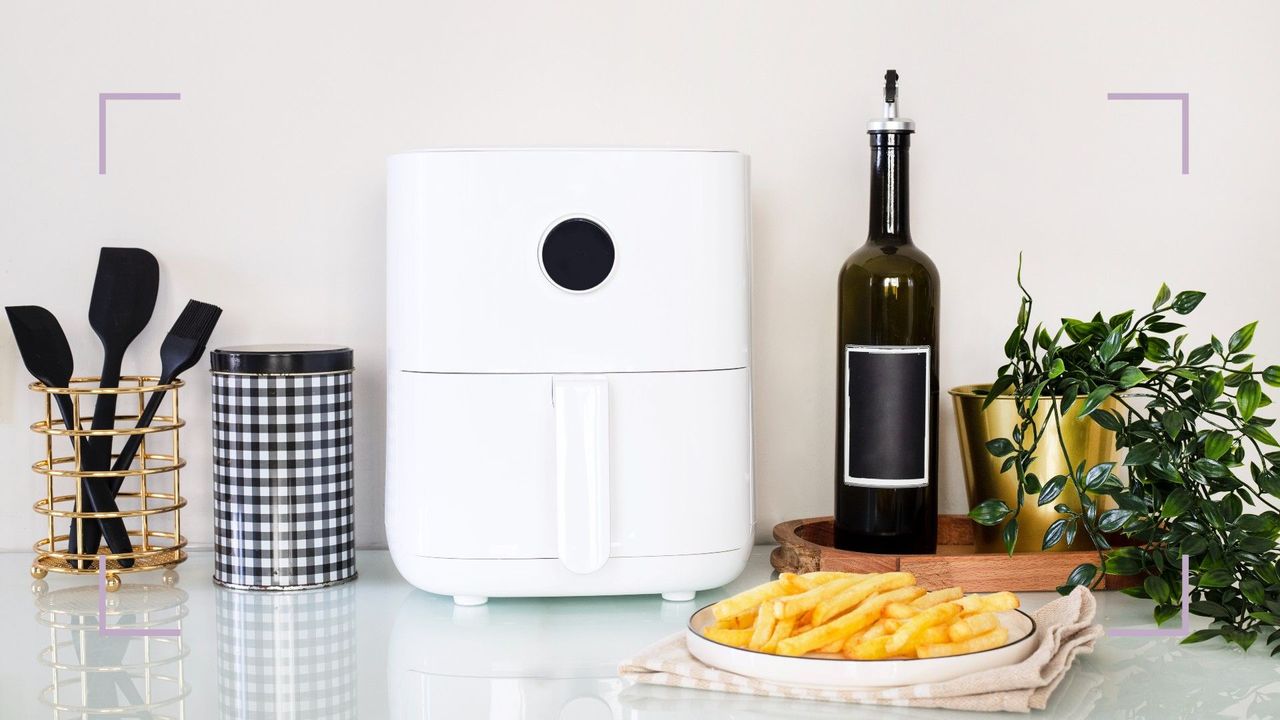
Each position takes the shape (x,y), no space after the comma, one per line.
(283,490)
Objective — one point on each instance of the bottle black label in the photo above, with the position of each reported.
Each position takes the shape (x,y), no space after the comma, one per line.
(886,440)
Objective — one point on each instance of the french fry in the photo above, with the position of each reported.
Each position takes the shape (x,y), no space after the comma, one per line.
(900,611)
(763,629)
(781,631)
(873,649)
(878,648)
(737,622)
(986,641)
(995,602)
(912,628)
(736,638)
(861,616)
(836,646)
(871,633)
(795,583)
(824,576)
(796,605)
(845,625)
(855,593)
(749,600)
(937,597)
(934,635)
(967,627)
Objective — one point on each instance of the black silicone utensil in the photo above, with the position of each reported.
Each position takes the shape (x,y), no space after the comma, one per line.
(124,296)
(47,355)
(182,348)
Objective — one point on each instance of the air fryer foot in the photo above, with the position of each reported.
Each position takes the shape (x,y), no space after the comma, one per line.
(678,596)
(469,600)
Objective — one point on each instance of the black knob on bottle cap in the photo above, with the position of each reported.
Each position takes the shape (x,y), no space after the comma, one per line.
(891,123)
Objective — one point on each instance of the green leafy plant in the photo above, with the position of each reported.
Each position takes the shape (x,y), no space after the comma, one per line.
(1200,476)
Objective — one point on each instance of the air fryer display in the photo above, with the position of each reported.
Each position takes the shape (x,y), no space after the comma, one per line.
(577,254)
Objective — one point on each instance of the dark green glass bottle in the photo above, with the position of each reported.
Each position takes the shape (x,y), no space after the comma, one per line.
(887,416)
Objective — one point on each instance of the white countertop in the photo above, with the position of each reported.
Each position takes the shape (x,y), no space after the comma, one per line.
(377,648)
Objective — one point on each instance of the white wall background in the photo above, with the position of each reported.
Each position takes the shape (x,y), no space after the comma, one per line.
(262,188)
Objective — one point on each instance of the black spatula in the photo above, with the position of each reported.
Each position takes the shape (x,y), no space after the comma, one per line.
(124,296)
(182,348)
(47,355)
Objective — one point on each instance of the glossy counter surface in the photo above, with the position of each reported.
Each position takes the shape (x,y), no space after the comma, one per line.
(377,648)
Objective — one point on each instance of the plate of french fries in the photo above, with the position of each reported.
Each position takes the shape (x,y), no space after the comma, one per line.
(851,630)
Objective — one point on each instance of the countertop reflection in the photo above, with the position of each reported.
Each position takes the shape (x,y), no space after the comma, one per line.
(377,648)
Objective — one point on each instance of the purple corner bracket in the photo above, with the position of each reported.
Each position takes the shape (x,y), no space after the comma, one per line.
(1186,613)
(102,118)
(122,632)
(1185,99)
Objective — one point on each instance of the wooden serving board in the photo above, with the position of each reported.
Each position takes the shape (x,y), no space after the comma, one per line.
(807,546)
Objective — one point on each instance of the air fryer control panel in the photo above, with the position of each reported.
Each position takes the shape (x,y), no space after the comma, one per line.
(577,254)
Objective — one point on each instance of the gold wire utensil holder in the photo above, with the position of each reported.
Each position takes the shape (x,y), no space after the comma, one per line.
(150,505)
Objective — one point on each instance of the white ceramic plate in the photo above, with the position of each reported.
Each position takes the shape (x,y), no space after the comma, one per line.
(834,671)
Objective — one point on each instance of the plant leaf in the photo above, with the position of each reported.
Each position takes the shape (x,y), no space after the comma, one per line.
(1010,535)
(1253,591)
(1200,354)
(1108,420)
(1002,383)
(1000,447)
(1082,574)
(1259,433)
(1201,635)
(1211,387)
(1069,395)
(1111,346)
(1053,534)
(1172,423)
(1193,545)
(1271,375)
(1163,613)
(1143,453)
(1158,589)
(1162,297)
(1117,564)
(1113,520)
(1215,578)
(1216,444)
(1097,475)
(1241,338)
(1096,398)
(1211,468)
(1208,608)
(1132,376)
(1176,504)
(1051,490)
(1247,398)
(990,512)
(1186,301)
(1057,368)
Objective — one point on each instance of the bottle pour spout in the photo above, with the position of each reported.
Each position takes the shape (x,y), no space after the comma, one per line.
(890,122)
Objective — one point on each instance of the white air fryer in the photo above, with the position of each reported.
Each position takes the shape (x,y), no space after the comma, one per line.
(569,400)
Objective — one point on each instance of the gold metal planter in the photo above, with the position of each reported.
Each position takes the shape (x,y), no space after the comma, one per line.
(1084,439)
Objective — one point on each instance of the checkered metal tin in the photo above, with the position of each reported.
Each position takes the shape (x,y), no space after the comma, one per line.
(283,490)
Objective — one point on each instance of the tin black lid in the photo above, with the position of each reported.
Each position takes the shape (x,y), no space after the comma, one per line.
(281,359)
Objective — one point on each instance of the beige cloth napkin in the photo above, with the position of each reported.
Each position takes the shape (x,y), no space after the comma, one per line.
(1064,629)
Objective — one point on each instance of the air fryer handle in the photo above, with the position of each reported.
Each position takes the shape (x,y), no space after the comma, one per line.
(582,471)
